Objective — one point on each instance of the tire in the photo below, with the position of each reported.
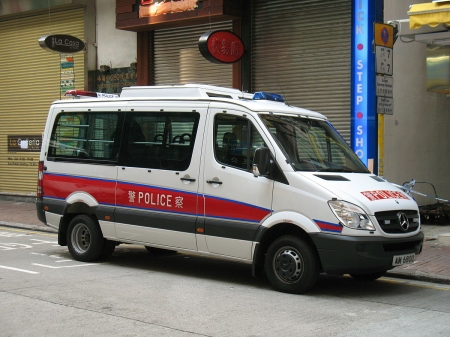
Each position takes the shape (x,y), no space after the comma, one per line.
(84,238)
(368,277)
(292,265)
(108,248)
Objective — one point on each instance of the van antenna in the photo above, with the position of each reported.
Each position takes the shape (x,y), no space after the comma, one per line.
(281,89)
(242,91)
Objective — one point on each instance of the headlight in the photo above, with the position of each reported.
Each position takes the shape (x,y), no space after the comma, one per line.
(350,215)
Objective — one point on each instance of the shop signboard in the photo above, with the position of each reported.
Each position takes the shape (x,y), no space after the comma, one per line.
(61,43)
(363,102)
(24,143)
(161,7)
(143,15)
(67,72)
(112,81)
(221,46)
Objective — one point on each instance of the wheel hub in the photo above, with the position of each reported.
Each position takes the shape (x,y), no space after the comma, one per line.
(288,265)
(81,238)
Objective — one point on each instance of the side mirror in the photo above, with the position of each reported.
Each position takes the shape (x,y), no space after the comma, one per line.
(261,162)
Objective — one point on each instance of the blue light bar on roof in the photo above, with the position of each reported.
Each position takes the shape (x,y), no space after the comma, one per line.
(261,95)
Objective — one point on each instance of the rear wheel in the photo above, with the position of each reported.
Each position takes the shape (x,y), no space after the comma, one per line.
(292,265)
(84,238)
(368,276)
(108,248)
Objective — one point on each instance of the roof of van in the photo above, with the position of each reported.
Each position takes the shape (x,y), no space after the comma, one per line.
(201,92)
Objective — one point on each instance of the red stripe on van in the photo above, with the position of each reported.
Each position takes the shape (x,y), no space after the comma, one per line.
(60,186)
(156,198)
(329,227)
(228,209)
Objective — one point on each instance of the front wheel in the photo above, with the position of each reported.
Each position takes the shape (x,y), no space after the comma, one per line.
(292,265)
(84,238)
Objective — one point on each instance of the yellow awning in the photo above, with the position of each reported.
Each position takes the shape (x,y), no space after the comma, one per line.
(431,14)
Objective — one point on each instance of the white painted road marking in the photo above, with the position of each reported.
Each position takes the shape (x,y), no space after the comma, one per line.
(52,267)
(11,246)
(40,242)
(21,270)
(12,235)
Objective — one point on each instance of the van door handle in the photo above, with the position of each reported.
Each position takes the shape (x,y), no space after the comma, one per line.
(214,182)
(188,179)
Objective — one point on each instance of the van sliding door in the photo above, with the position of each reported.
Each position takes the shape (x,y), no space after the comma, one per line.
(157,186)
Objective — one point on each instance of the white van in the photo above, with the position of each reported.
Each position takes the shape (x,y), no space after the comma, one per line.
(212,171)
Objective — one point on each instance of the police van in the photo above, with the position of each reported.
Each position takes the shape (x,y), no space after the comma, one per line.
(216,172)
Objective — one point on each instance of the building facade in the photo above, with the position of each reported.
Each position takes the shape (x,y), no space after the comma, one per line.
(416,141)
(304,49)
(32,77)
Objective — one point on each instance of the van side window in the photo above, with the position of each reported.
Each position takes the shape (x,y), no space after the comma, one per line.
(159,140)
(80,136)
(235,141)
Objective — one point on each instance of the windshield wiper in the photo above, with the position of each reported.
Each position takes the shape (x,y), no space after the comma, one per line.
(342,169)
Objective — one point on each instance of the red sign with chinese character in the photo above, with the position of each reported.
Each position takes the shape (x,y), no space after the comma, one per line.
(382,195)
(221,46)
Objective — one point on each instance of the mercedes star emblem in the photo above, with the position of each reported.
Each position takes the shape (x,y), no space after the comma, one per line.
(403,221)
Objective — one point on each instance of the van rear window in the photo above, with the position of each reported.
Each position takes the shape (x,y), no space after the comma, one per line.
(85,135)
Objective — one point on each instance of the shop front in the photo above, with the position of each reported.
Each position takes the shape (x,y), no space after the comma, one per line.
(416,135)
(31,77)
(304,50)
(301,49)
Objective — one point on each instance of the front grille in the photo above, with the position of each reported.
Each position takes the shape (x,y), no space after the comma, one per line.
(390,221)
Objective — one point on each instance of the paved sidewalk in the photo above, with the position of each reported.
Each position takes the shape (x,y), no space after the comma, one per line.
(432,265)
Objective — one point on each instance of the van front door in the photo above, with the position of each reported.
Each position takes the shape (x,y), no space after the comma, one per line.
(235,201)
(157,186)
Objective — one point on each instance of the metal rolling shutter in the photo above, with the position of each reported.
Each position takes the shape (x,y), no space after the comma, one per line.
(302,50)
(29,82)
(178,60)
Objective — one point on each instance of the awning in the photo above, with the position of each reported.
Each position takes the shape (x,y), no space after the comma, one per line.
(431,14)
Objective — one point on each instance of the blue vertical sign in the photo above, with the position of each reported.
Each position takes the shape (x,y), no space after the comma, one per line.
(363,114)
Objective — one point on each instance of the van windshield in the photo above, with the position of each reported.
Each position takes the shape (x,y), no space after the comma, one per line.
(312,145)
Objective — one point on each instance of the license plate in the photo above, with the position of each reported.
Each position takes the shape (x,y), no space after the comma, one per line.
(398,260)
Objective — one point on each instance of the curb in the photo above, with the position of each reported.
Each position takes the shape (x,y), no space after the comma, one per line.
(417,276)
(42,228)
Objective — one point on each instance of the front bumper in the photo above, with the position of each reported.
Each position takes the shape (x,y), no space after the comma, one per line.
(352,255)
